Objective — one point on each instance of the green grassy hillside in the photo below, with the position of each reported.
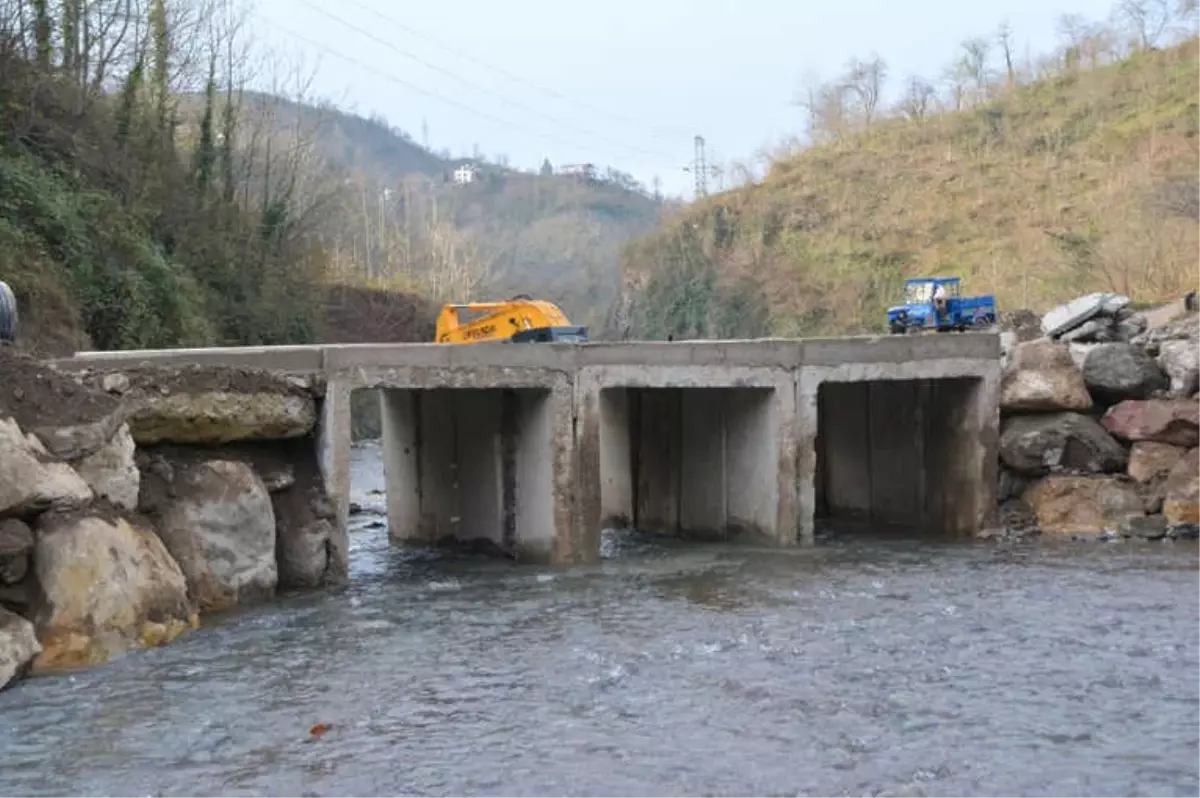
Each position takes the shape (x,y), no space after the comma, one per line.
(1083,181)
(127,222)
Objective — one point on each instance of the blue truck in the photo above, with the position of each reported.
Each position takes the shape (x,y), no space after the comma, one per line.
(937,303)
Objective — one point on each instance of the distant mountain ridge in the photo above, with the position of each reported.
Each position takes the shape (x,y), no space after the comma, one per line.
(401,218)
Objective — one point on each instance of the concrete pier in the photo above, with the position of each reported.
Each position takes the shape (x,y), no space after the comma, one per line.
(538,447)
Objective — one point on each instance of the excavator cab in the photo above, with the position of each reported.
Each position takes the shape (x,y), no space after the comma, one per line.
(521,319)
(548,334)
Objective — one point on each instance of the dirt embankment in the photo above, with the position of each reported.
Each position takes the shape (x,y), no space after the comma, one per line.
(35,396)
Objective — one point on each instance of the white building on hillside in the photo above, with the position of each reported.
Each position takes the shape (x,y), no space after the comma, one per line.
(466,174)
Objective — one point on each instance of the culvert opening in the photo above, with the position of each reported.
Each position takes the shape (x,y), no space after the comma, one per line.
(689,462)
(895,457)
(469,468)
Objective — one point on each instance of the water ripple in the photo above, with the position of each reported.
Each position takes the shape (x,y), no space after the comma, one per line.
(877,668)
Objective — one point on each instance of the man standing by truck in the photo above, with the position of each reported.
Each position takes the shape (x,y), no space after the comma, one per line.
(939,302)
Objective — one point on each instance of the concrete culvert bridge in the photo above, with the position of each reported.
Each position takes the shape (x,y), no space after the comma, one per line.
(536,449)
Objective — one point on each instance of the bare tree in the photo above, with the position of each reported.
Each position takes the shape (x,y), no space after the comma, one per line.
(974,63)
(825,106)
(808,97)
(1004,37)
(455,270)
(832,114)
(1145,20)
(918,98)
(15,23)
(742,173)
(1072,30)
(863,80)
(1187,12)
(956,80)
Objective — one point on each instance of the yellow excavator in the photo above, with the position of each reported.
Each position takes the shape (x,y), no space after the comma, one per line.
(521,319)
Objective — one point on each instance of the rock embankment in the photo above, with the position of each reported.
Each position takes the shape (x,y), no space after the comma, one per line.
(1100,423)
(132,501)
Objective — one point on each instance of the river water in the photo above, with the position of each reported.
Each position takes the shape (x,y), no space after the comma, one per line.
(856,668)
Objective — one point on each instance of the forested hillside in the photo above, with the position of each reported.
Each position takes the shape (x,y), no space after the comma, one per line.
(1076,174)
(148,198)
(117,232)
(400,220)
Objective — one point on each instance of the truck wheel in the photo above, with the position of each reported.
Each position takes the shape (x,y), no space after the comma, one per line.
(8,314)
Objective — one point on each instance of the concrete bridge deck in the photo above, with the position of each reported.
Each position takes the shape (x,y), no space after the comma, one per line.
(538,447)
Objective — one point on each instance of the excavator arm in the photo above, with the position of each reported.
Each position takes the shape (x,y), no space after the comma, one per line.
(520,319)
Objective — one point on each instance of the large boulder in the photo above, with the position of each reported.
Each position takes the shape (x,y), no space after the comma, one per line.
(18,646)
(1150,461)
(308,549)
(1173,421)
(220,417)
(1083,505)
(216,518)
(16,546)
(1175,325)
(108,585)
(30,481)
(210,404)
(1022,323)
(305,539)
(1041,376)
(111,472)
(1181,493)
(1180,359)
(1121,371)
(1036,445)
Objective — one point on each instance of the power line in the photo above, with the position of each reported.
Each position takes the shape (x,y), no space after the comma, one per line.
(466,82)
(500,70)
(412,86)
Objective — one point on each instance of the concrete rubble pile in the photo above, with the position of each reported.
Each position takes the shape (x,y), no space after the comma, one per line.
(133,502)
(1095,318)
(1100,423)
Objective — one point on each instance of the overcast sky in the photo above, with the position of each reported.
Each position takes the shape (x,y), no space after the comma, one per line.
(626,83)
